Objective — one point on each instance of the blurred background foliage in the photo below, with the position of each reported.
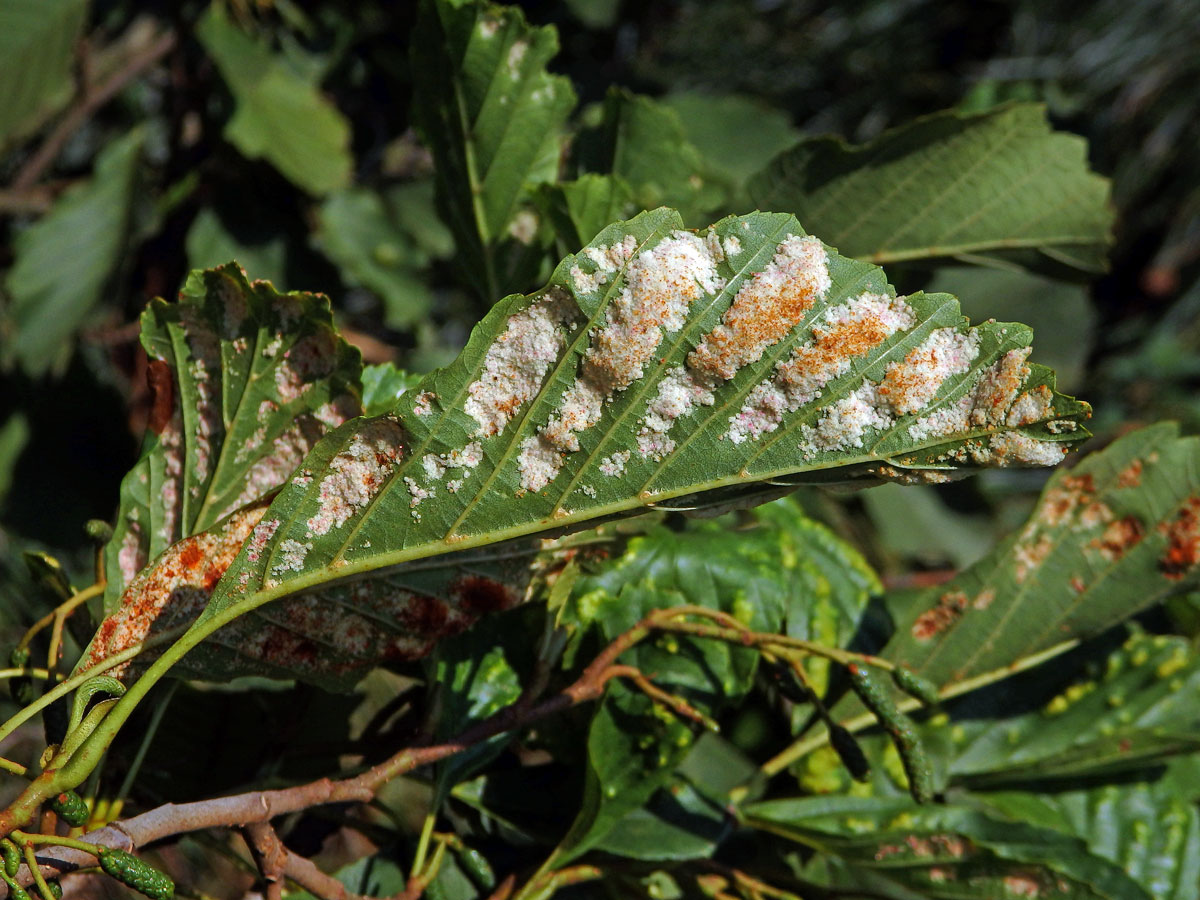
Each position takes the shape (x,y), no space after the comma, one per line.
(139,140)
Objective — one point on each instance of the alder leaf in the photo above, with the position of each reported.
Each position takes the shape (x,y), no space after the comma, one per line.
(1000,187)
(244,381)
(1113,535)
(65,260)
(902,850)
(788,574)
(36,41)
(660,367)
(1143,707)
(493,118)
(280,116)
(1150,829)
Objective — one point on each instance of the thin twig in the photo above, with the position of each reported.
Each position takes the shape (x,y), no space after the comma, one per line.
(93,97)
(269,855)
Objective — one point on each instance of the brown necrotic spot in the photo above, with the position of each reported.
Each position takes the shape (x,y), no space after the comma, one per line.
(1183,541)
(932,622)
(162,390)
(1118,537)
(478,595)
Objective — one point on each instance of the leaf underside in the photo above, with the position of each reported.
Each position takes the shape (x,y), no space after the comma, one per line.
(659,367)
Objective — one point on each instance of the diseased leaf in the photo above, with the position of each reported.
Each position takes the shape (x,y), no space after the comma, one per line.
(814,368)
(660,367)
(1112,536)
(998,187)
(245,380)
(280,116)
(65,260)
(493,118)
(943,851)
(1060,314)
(1143,708)
(37,38)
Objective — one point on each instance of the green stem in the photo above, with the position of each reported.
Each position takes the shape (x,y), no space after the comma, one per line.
(65,687)
(36,871)
(26,837)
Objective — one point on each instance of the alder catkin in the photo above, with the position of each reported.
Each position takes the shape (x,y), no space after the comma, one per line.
(71,808)
(916,685)
(139,875)
(913,756)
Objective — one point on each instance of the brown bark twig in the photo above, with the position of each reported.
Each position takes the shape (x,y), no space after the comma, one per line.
(269,855)
(91,99)
(254,809)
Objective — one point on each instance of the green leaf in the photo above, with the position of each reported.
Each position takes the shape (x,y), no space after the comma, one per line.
(280,116)
(493,118)
(359,231)
(678,823)
(578,210)
(1108,538)
(483,451)
(383,385)
(644,143)
(474,675)
(736,135)
(944,851)
(633,749)
(211,242)
(788,574)
(64,261)
(994,188)
(1147,829)
(14,436)
(37,42)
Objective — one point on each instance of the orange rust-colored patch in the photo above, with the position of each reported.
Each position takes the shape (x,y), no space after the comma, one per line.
(1030,556)
(1063,499)
(175,587)
(162,390)
(1183,541)
(845,340)
(190,555)
(949,608)
(1131,475)
(1077,584)
(1118,537)
(749,328)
